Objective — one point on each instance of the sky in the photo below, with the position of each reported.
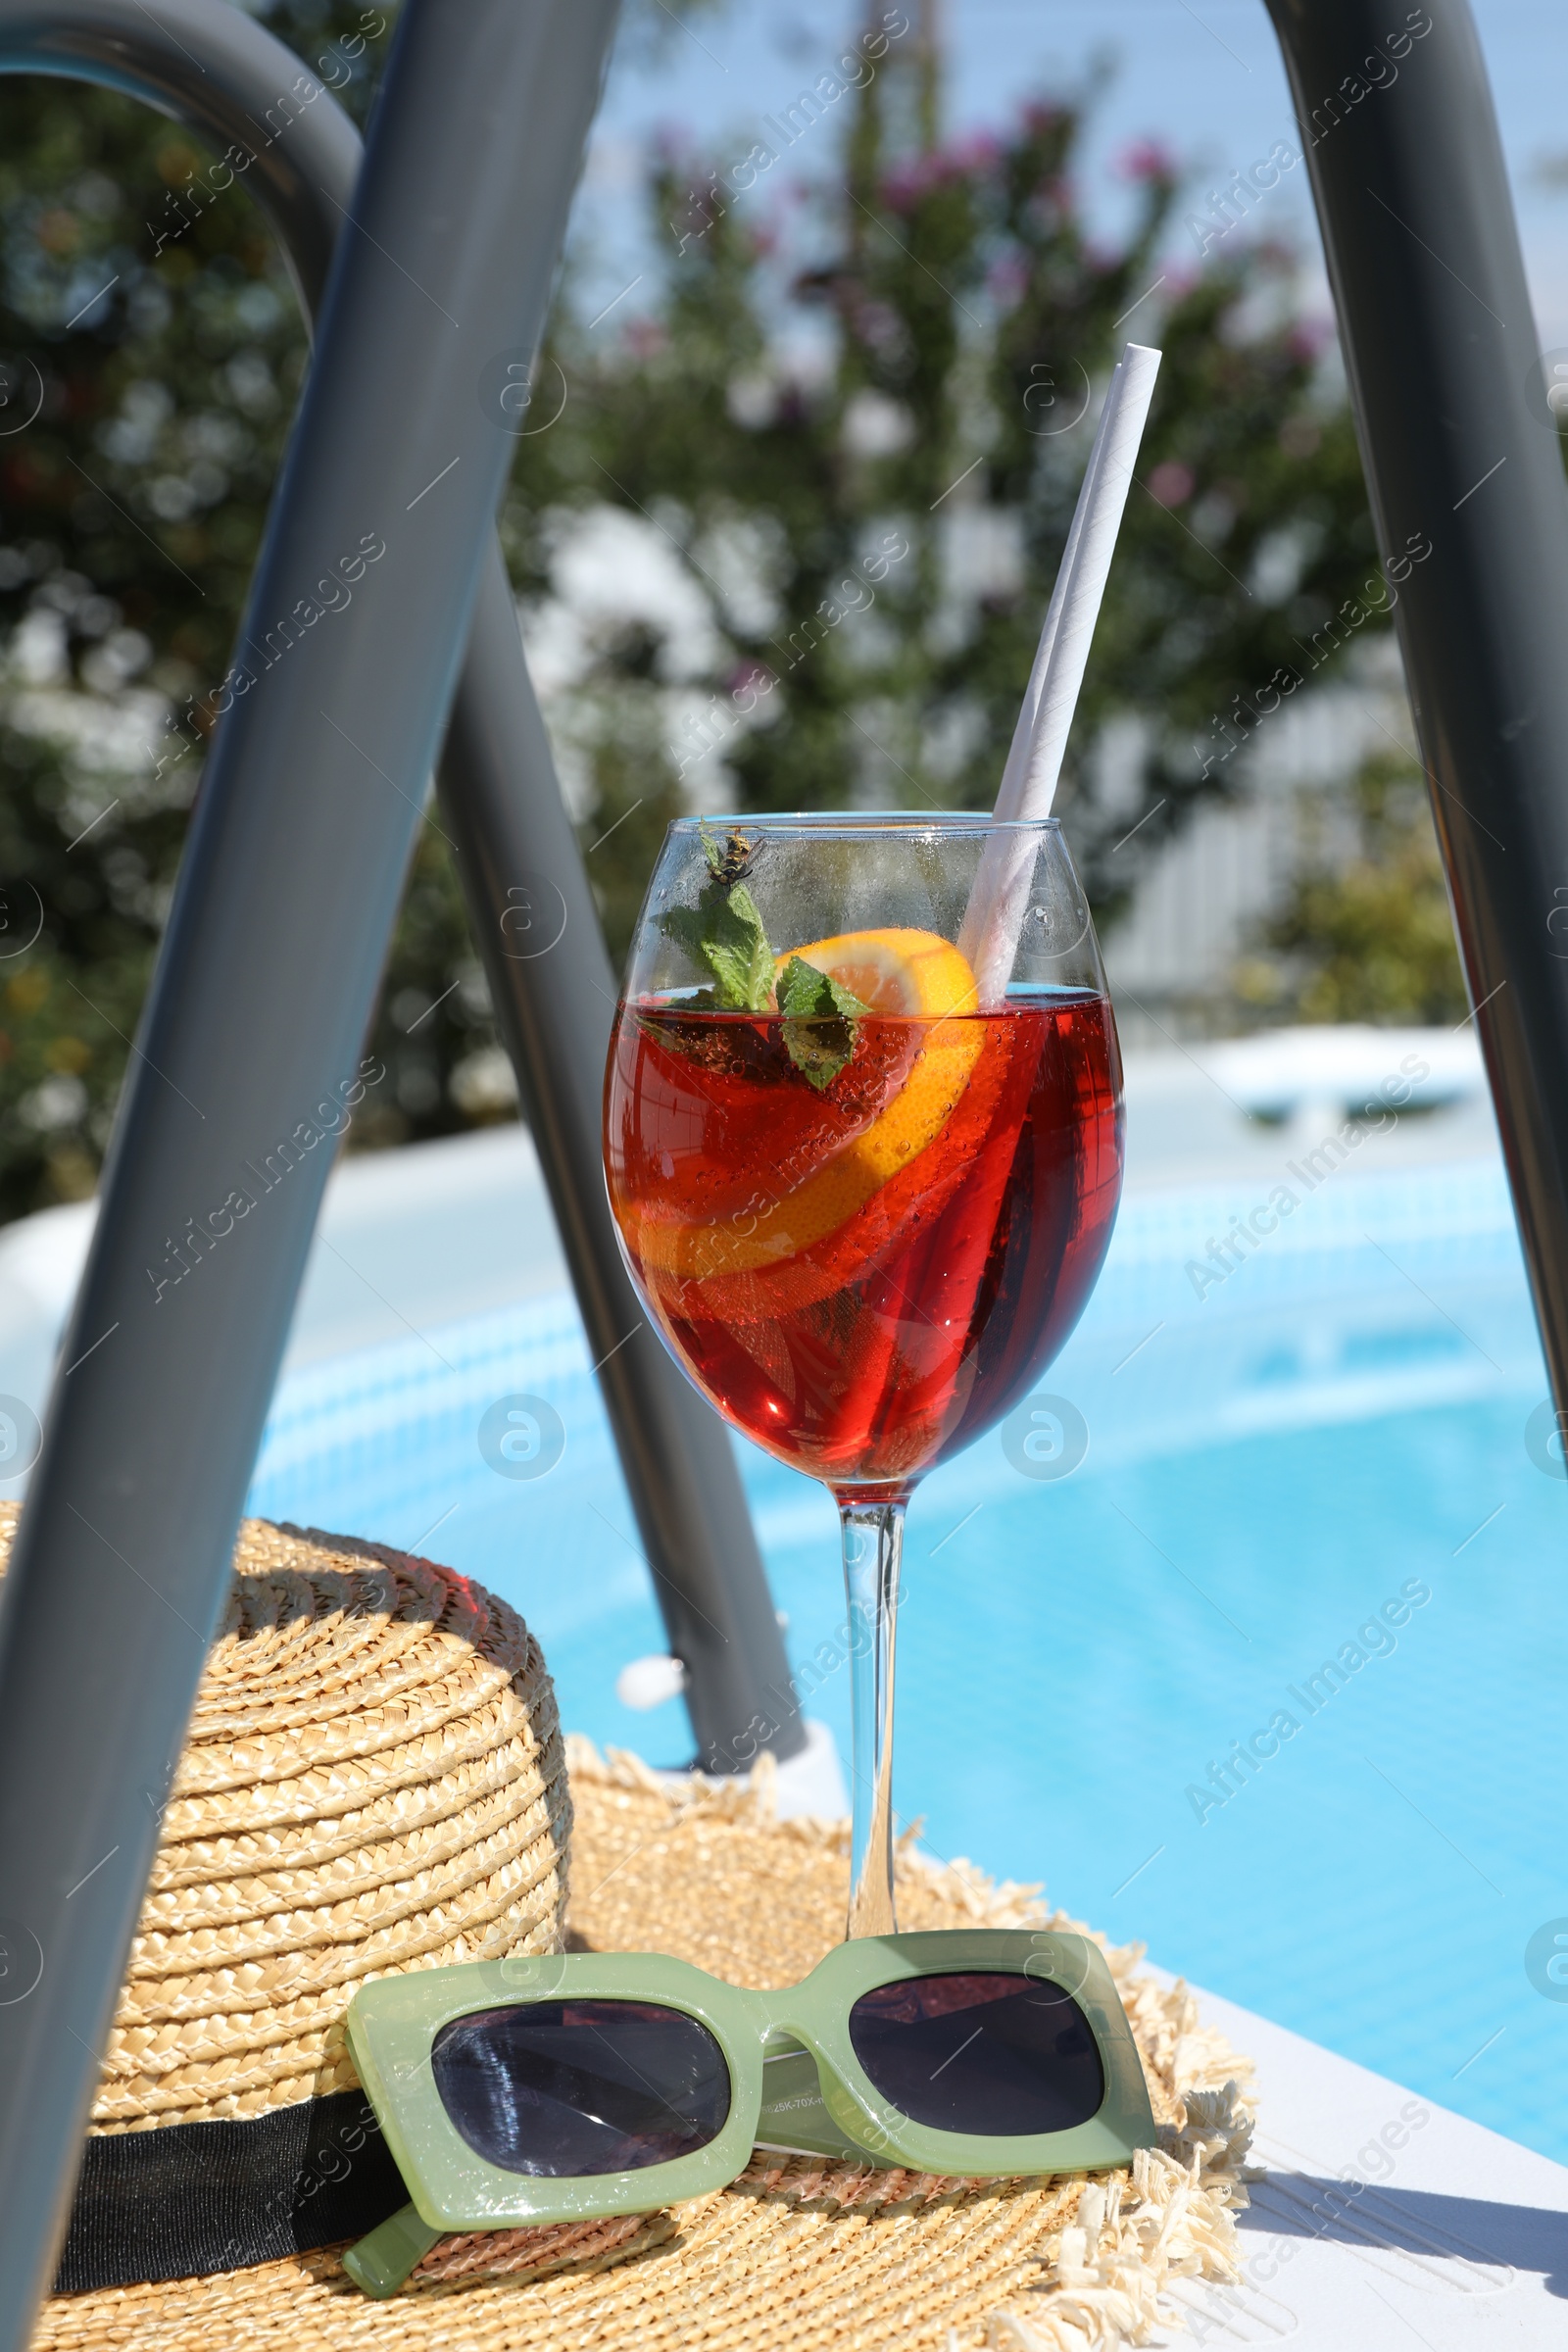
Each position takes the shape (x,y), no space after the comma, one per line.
(1206,78)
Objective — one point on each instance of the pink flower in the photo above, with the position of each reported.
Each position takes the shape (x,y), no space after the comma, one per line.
(671,146)
(1146,159)
(906,183)
(981,152)
(968,159)
(1308,339)
(643,338)
(878,324)
(1171,483)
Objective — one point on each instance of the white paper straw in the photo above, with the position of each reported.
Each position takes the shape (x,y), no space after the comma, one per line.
(1009,794)
(999,900)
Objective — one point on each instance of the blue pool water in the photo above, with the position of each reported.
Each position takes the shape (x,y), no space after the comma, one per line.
(1341,1418)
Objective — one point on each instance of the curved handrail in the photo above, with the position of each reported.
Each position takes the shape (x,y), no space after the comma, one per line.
(216,72)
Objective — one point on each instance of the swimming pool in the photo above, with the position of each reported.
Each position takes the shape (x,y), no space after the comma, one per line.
(1341,1418)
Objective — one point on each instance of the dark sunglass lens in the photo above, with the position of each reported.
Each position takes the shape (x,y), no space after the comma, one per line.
(989,2053)
(556,2088)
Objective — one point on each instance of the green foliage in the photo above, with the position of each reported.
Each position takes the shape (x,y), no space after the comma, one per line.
(147,299)
(875,528)
(1370,939)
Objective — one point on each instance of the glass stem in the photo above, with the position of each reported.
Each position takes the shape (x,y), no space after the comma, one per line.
(873,1541)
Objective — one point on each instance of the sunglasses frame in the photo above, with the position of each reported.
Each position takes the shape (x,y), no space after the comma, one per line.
(392,2026)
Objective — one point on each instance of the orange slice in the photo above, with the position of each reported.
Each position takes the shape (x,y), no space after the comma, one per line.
(912,975)
(888,1223)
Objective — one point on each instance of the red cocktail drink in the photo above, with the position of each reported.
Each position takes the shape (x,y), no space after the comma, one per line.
(862,1278)
(864,1183)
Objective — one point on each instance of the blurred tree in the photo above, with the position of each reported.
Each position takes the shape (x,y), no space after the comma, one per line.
(857,423)
(1368,938)
(151,354)
(852,418)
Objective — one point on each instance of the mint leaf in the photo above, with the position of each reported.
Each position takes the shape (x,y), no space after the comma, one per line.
(819,1019)
(738,953)
(724,932)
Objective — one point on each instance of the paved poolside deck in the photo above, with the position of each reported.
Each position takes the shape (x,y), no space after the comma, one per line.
(1386,2222)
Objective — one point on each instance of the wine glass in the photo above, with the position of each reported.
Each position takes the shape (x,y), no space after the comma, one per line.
(863,1195)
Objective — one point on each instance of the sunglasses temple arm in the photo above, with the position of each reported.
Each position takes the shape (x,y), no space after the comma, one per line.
(379,2264)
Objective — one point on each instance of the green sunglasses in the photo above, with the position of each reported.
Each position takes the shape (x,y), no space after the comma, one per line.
(574,2086)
